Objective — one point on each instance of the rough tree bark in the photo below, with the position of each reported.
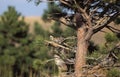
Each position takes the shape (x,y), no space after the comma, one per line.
(82,46)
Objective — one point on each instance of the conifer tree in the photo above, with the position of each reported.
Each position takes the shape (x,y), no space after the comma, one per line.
(87,17)
(14,45)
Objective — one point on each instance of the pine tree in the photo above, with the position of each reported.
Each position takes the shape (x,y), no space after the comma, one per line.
(14,45)
(87,17)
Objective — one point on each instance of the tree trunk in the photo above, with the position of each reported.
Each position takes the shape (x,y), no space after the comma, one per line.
(82,46)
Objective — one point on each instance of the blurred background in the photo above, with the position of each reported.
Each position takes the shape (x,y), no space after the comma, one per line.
(22,35)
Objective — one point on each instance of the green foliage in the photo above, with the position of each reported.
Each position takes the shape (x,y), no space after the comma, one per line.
(114,72)
(15,44)
(110,37)
(42,52)
(45,16)
(7,60)
(56,28)
(4,41)
(103,49)
(69,32)
(39,43)
(53,10)
(95,54)
(41,49)
(21,52)
(119,58)
(40,31)
(37,64)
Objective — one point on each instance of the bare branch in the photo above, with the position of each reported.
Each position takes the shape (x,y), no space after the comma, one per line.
(84,14)
(80,9)
(86,2)
(105,23)
(48,0)
(93,11)
(72,37)
(106,61)
(57,45)
(46,61)
(117,46)
(114,30)
(102,20)
(66,3)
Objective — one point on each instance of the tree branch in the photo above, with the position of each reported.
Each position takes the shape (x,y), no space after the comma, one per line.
(114,30)
(93,11)
(105,23)
(65,3)
(101,21)
(89,34)
(71,26)
(57,45)
(105,9)
(104,63)
(84,14)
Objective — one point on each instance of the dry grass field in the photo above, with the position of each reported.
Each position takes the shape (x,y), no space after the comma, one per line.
(98,38)
(32,19)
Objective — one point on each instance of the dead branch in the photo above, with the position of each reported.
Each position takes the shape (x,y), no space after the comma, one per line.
(92,58)
(65,3)
(69,38)
(97,28)
(102,20)
(114,30)
(57,45)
